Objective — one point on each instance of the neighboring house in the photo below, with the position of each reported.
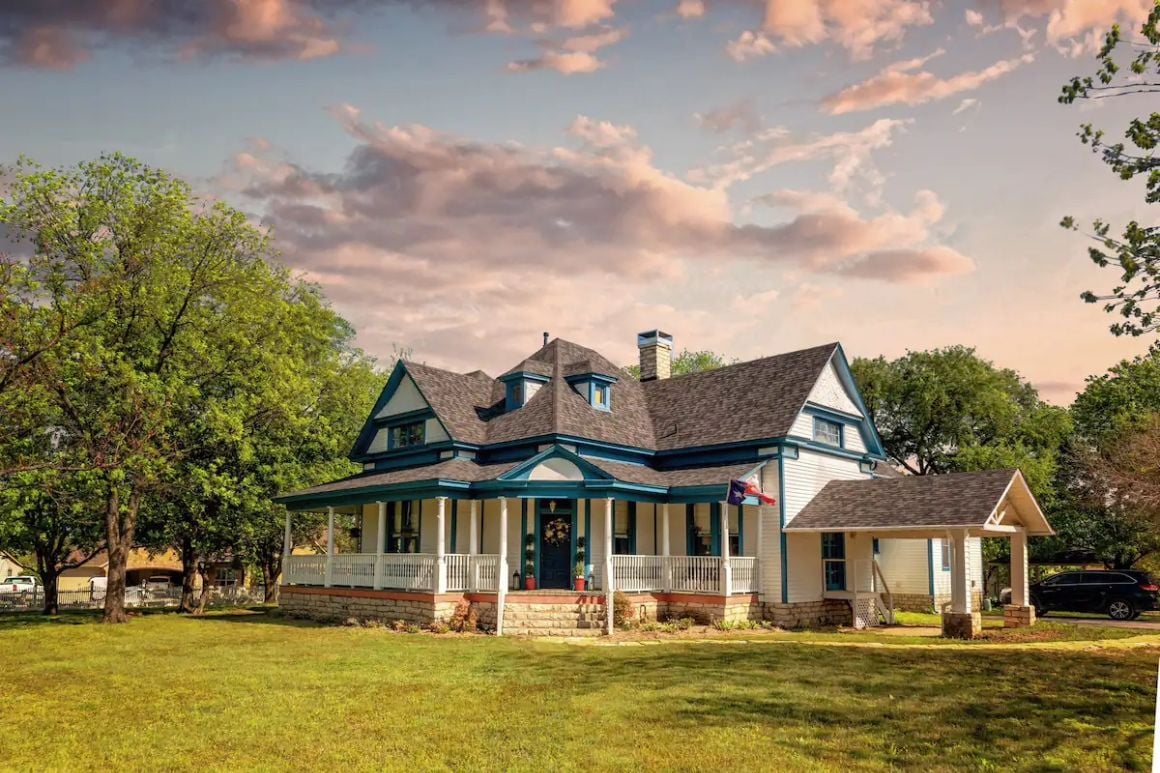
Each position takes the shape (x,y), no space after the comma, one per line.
(467,477)
(10,567)
(143,564)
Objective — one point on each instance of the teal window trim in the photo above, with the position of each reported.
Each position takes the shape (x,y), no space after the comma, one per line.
(523,536)
(536,519)
(397,432)
(572,555)
(689,524)
(834,560)
(930,566)
(715,528)
(781,528)
(656,545)
(588,541)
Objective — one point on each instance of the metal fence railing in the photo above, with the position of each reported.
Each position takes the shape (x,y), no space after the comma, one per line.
(136,596)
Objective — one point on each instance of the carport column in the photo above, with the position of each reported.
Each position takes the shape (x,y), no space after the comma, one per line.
(961,622)
(473,546)
(726,568)
(1019,612)
(440,546)
(502,578)
(329,546)
(381,542)
(667,564)
(608,568)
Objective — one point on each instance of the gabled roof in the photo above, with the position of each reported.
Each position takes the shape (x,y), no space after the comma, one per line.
(747,401)
(965,500)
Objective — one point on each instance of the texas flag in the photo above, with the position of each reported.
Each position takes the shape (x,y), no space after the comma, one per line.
(740,489)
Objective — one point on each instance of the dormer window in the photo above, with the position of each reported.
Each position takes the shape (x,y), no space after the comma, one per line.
(520,386)
(601,396)
(410,434)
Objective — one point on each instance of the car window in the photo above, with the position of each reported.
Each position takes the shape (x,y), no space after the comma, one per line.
(1067,578)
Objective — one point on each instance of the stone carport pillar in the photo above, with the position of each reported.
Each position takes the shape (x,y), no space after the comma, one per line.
(1019,612)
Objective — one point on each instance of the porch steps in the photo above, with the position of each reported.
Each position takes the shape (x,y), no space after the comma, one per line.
(554,619)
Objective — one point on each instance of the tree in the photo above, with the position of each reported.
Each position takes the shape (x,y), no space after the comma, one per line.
(1135,254)
(690,362)
(948,410)
(134,301)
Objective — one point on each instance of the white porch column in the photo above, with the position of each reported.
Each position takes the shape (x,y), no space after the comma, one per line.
(608,569)
(502,580)
(329,546)
(667,565)
(380,545)
(726,569)
(473,546)
(1020,593)
(440,545)
(960,589)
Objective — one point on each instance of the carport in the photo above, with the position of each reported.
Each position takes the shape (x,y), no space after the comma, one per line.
(995,503)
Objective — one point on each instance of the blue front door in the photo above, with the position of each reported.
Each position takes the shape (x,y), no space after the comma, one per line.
(555,546)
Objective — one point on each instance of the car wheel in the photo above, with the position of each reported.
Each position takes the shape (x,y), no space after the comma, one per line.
(1121,609)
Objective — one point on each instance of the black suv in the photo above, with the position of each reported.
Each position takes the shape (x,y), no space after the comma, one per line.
(1122,594)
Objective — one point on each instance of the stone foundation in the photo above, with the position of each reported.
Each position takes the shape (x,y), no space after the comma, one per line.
(336,605)
(809,614)
(961,625)
(339,604)
(1018,617)
(913,602)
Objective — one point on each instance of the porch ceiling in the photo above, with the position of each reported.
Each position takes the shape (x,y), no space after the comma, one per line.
(993,503)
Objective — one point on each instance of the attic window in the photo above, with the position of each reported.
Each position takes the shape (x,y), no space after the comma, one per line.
(828,432)
(407,435)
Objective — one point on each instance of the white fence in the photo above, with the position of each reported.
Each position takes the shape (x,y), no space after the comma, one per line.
(686,574)
(135,596)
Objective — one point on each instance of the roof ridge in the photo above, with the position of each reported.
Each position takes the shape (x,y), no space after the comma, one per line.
(732,365)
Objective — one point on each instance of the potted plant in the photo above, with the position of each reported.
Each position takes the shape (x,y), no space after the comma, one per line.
(578,571)
(529,562)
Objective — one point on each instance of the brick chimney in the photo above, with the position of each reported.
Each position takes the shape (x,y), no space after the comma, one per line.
(656,354)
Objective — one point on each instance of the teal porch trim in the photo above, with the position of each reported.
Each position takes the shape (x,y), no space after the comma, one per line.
(781,529)
(930,567)
(454,525)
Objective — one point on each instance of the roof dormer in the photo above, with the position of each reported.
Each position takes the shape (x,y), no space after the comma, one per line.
(595,387)
(519,386)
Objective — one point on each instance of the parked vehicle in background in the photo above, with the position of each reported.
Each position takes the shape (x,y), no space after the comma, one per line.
(97,587)
(1120,594)
(19,585)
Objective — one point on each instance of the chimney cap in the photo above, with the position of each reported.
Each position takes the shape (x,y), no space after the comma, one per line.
(545,338)
(650,337)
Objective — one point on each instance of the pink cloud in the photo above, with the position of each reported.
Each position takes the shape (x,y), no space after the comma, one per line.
(1076,27)
(859,26)
(572,56)
(903,83)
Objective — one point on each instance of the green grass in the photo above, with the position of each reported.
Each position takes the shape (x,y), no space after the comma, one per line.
(255,691)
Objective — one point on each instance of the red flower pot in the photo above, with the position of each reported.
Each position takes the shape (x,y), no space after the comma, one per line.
(529,583)
(580,583)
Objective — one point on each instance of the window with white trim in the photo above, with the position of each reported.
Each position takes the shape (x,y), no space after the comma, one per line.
(828,432)
(834,559)
(944,546)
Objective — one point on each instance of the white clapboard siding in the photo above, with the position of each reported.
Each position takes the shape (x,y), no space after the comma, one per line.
(829,392)
(770,535)
(904,565)
(942,578)
(804,478)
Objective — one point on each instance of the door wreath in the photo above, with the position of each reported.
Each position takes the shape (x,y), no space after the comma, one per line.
(557,531)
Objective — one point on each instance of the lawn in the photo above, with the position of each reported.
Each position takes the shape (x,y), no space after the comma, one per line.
(250,691)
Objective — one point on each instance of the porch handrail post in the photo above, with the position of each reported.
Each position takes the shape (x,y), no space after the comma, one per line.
(440,545)
(667,570)
(473,546)
(380,545)
(1019,590)
(726,568)
(329,546)
(608,570)
(502,579)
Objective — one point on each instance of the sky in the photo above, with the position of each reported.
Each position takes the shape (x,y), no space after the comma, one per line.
(753,177)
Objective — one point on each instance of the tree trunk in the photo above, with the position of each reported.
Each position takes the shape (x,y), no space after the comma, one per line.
(188,576)
(204,597)
(271,568)
(119,542)
(50,577)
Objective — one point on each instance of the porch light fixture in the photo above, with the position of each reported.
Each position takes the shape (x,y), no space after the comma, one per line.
(551,506)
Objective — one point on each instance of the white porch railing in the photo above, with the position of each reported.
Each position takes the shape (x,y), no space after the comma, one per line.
(395,571)
(352,570)
(687,574)
(304,570)
(746,574)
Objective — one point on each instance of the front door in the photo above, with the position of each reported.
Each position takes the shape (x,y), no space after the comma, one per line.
(555,543)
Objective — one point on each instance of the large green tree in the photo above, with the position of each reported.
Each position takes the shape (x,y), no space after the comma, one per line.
(949,410)
(133,303)
(1135,252)
(691,362)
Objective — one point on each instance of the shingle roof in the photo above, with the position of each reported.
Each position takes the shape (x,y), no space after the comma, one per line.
(696,476)
(451,469)
(747,401)
(964,499)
